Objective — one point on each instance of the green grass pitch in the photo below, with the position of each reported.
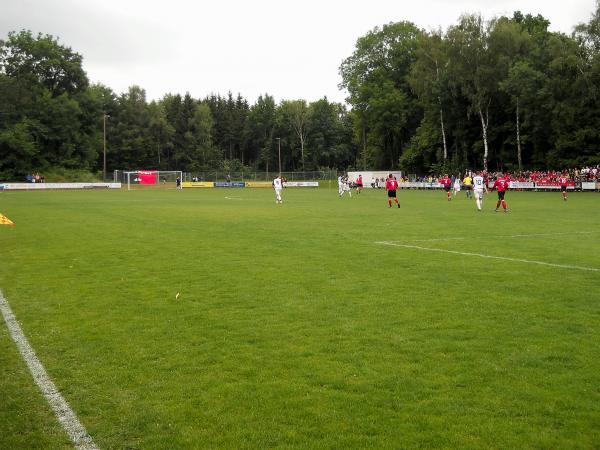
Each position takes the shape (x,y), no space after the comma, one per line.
(294,328)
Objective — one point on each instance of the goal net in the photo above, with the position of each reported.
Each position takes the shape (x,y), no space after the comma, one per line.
(153,179)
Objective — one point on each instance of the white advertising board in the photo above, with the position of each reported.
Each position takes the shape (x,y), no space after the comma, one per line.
(588,186)
(301,184)
(41,186)
(369,176)
(521,185)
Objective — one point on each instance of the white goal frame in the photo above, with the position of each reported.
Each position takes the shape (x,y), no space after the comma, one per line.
(129,174)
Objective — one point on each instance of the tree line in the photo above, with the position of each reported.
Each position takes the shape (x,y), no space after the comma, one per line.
(507,94)
(503,94)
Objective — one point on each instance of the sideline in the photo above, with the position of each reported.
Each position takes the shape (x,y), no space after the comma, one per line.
(66,416)
(454,252)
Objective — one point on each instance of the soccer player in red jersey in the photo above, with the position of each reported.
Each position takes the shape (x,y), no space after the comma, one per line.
(391,184)
(359,184)
(564,182)
(446,182)
(501,184)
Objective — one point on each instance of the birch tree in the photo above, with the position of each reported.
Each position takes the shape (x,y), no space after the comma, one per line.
(473,72)
(427,77)
(298,112)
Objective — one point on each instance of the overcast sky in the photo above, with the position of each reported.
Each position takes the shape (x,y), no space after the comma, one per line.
(289,50)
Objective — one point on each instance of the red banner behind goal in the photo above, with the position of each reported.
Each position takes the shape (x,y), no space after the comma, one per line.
(147,176)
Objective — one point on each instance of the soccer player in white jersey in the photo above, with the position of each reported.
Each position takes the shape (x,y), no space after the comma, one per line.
(456,185)
(346,186)
(278,186)
(341,185)
(478,188)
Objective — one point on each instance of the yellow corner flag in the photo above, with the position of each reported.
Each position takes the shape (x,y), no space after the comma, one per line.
(5,220)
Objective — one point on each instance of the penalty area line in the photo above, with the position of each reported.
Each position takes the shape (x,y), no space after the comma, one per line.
(66,416)
(481,255)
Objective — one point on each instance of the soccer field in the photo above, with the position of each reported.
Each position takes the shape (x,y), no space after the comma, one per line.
(319,323)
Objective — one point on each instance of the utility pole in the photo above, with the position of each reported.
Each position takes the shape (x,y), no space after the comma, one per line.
(279,152)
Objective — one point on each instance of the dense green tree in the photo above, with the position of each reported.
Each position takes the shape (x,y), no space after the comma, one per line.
(47,112)
(505,93)
(472,70)
(160,133)
(231,131)
(201,128)
(262,118)
(376,77)
(329,136)
(42,60)
(428,79)
(298,114)
(129,130)
(589,33)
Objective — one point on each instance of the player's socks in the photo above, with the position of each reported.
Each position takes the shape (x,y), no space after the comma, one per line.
(504,205)
(390,203)
(497,205)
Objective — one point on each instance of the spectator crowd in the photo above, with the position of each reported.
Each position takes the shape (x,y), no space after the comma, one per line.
(35,178)
(585,174)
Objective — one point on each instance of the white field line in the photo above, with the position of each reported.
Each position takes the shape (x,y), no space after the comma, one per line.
(508,236)
(454,252)
(76,431)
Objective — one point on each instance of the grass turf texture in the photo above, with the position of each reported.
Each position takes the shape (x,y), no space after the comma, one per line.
(293,329)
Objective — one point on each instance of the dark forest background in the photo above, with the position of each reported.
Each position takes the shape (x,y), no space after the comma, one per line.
(503,94)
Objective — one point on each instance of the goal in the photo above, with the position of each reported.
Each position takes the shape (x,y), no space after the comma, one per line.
(152,179)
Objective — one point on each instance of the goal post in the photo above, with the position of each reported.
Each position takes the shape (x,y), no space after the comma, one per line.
(153,179)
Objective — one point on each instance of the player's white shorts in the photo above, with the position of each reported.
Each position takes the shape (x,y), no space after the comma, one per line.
(478,193)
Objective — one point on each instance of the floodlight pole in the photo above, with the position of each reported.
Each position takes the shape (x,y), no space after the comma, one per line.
(279,152)
(104,117)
